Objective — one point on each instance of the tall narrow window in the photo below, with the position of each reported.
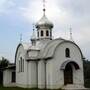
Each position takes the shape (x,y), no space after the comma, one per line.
(21,64)
(38,33)
(47,33)
(51,34)
(67,52)
(41,33)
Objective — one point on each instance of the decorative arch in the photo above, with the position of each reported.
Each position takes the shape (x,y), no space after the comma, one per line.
(68,71)
(63,66)
(17,51)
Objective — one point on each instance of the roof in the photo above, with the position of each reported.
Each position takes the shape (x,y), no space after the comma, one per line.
(10,66)
(44,21)
(48,50)
(44,49)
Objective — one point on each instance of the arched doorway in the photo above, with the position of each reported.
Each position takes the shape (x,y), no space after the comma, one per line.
(67,68)
(68,75)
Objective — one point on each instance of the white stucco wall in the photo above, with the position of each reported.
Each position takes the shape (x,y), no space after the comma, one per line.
(21,77)
(55,76)
(7,78)
(41,74)
(32,73)
(48,75)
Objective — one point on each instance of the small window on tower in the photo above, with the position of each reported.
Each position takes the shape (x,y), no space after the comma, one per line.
(67,52)
(41,33)
(47,33)
(38,33)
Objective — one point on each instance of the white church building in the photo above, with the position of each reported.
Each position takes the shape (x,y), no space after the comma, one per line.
(46,62)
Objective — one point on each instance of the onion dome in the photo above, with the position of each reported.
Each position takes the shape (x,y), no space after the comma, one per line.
(44,22)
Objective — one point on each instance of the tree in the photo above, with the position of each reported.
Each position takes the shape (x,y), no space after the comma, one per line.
(3,63)
(87,73)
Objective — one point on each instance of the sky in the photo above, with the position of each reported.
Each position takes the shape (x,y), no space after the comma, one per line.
(17,17)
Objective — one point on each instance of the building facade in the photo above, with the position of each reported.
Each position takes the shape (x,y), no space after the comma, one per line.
(48,63)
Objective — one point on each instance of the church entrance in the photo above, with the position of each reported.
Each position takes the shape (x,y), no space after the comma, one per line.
(68,74)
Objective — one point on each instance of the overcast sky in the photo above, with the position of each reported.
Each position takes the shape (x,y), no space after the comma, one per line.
(17,16)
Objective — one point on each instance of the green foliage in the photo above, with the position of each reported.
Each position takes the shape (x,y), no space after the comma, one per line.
(17,88)
(3,63)
(86,65)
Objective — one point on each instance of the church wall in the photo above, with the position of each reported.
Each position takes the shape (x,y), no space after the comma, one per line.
(41,74)
(21,79)
(55,74)
(7,78)
(32,74)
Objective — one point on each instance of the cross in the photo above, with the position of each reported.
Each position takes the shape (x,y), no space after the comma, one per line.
(44,6)
(71,34)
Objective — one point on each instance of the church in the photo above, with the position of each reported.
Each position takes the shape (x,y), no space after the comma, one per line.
(46,62)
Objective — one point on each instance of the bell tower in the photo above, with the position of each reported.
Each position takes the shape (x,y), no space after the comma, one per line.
(44,26)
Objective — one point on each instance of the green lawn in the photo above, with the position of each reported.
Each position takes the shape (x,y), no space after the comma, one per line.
(17,88)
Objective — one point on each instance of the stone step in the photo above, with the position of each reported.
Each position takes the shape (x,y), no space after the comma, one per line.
(74,87)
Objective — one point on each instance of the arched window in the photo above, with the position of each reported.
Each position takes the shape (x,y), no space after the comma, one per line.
(67,52)
(47,33)
(21,64)
(41,33)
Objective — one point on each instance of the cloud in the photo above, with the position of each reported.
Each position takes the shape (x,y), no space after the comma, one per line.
(63,13)
(5,6)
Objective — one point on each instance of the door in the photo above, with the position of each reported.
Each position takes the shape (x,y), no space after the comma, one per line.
(13,77)
(68,75)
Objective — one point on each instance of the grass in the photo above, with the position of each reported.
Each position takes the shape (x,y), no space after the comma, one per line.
(17,88)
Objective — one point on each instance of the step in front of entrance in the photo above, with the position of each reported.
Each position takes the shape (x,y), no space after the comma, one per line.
(74,87)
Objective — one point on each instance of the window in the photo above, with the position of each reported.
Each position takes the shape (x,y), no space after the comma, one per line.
(38,33)
(41,33)
(47,33)
(67,52)
(13,77)
(21,65)
(50,33)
